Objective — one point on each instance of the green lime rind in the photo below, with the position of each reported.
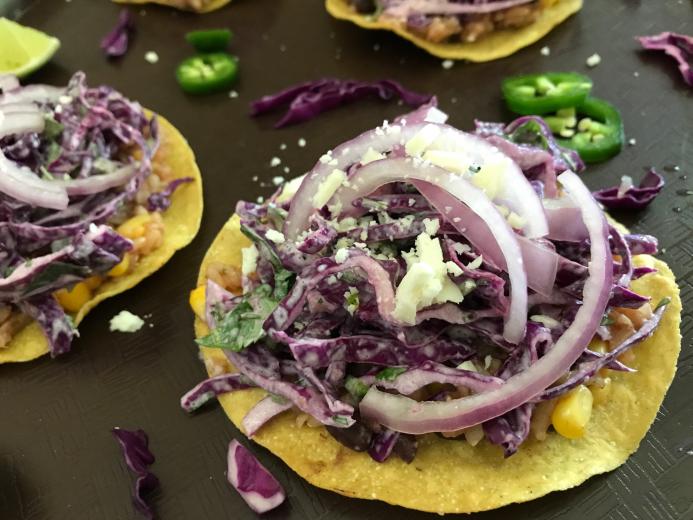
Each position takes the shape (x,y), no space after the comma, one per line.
(24,49)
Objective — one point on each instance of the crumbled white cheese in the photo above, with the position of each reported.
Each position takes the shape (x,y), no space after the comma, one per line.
(328,186)
(287,169)
(461,248)
(278,180)
(467,287)
(431,226)
(593,60)
(275,161)
(456,162)
(453,268)
(370,156)
(233,94)
(545,50)
(260,199)
(447,64)
(151,57)
(301,142)
(282,146)
(275,236)
(422,140)
(426,281)
(516,221)
(249,263)
(547,321)
(476,263)
(341,255)
(632,141)
(289,189)
(326,158)
(125,321)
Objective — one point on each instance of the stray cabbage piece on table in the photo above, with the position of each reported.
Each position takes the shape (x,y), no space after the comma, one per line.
(678,46)
(96,193)
(138,457)
(428,301)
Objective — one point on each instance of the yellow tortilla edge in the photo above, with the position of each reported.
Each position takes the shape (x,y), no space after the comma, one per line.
(454,477)
(493,46)
(213,6)
(181,222)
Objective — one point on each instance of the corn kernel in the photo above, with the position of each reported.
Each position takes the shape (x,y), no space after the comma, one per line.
(134,227)
(572,413)
(121,268)
(197,301)
(600,393)
(93,282)
(599,346)
(73,299)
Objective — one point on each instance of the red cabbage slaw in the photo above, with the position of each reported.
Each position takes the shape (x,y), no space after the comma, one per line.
(67,170)
(370,284)
(260,490)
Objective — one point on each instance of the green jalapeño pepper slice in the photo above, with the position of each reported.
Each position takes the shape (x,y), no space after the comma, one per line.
(211,40)
(593,129)
(207,73)
(537,94)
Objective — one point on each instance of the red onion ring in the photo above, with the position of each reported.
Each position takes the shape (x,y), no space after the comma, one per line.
(406,415)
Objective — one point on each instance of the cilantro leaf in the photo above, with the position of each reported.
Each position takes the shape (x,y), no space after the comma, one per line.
(664,301)
(243,325)
(390,373)
(356,387)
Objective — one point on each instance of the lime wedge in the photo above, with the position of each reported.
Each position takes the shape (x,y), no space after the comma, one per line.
(23,49)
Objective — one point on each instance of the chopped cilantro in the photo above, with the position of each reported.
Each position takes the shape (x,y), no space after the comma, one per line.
(356,387)
(663,302)
(390,373)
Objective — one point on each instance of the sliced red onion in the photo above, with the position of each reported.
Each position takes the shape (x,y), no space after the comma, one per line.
(256,485)
(517,193)
(540,263)
(20,122)
(431,181)
(430,372)
(32,93)
(98,183)
(8,82)
(22,184)
(406,415)
(262,412)
(564,220)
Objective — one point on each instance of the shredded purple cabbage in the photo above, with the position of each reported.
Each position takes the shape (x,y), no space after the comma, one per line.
(315,332)
(210,388)
(633,197)
(307,100)
(260,490)
(89,132)
(115,43)
(678,46)
(138,457)
(161,200)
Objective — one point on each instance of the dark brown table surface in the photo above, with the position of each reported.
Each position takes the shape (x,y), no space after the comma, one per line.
(57,457)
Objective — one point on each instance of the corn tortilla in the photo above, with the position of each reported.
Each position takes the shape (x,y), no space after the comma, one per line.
(212,6)
(452,476)
(492,46)
(181,223)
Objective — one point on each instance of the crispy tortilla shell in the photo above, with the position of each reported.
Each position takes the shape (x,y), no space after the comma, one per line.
(181,223)
(452,476)
(497,44)
(212,6)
